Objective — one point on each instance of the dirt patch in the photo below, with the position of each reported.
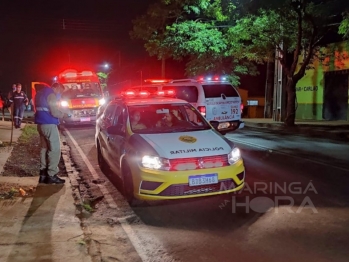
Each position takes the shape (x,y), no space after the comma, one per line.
(24,161)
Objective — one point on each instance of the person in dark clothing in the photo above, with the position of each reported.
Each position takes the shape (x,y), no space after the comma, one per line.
(20,101)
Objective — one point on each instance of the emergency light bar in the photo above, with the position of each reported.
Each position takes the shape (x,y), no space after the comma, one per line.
(213,79)
(147,94)
(157,81)
(70,73)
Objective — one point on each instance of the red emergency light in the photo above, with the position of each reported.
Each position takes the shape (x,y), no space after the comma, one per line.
(212,79)
(71,75)
(157,81)
(146,94)
(86,73)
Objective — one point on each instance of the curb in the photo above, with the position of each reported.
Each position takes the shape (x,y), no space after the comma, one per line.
(336,133)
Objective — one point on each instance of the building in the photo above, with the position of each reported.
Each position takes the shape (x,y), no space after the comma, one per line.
(322,94)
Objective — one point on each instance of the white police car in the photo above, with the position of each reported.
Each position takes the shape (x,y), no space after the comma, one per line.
(214,97)
(163,148)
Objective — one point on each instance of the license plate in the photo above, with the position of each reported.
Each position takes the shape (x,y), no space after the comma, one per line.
(207,179)
(85,119)
(223,125)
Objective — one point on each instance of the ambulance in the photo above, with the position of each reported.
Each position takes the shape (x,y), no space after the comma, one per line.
(214,97)
(82,96)
(162,148)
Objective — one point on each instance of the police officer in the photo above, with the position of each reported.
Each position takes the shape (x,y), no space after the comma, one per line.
(47,119)
(20,101)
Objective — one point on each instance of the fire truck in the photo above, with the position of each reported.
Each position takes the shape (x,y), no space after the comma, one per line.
(82,96)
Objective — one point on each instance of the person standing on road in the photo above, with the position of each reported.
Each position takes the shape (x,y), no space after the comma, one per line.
(47,119)
(20,101)
(9,102)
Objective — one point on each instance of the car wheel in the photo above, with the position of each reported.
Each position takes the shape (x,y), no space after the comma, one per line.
(128,187)
(101,161)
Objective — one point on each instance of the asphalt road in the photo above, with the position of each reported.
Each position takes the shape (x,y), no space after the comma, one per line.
(293,208)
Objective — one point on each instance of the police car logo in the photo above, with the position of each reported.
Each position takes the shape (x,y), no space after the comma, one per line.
(187,139)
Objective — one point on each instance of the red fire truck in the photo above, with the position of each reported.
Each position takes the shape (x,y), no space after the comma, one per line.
(82,96)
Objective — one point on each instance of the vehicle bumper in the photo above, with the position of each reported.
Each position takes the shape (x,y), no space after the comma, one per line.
(164,185)
(80,116)
(78,121)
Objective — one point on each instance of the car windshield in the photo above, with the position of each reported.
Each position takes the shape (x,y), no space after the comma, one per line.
(216,90)
(83,90)
(166,118)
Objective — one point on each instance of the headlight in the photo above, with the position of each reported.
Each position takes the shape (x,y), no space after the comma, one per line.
(234,156)
(101,101)
(64,103)
(155,162)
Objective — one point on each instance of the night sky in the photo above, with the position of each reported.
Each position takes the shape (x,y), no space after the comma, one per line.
(41,38)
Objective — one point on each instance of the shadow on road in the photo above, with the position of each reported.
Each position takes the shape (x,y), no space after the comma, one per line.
(33,241)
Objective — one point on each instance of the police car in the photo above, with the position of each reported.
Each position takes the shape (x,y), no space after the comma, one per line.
(214,97)
(163,148)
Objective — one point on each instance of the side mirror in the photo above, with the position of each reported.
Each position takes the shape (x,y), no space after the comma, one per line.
(115,130)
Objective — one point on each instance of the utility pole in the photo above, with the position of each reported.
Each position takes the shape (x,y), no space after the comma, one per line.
(163,60)
(279,101)
(268,90)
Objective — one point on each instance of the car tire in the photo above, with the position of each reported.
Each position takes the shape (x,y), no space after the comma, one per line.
(103,165)
(128,187)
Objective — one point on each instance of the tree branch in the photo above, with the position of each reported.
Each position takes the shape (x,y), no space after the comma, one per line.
(299,39)
(310,51)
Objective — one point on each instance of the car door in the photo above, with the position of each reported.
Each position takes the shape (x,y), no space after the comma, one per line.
(104,123)
(116,143)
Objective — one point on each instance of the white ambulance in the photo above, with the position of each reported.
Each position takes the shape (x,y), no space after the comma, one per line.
(215,98)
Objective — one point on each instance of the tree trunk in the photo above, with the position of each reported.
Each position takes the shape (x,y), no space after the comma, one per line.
(291,102)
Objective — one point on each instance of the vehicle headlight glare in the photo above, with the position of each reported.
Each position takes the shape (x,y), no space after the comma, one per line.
(64,103)
(101,101)
(234,156)
(152,162)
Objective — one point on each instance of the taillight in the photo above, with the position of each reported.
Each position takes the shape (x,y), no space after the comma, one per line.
(241,107)
(202,110)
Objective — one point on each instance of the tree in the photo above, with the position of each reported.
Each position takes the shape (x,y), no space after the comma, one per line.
(344,26)
(231,35)
(103,78)
(151,27)
(190,29)
(295,28)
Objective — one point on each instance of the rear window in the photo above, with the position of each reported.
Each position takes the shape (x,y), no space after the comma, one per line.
(187,93)
(218,90)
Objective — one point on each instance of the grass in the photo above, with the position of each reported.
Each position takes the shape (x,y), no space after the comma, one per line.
(87,207)
(28,132)
(82,242)
(10,194)
(5,144)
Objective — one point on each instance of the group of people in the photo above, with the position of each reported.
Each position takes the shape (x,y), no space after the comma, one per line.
(47,117)
(15,102)
(167,121)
